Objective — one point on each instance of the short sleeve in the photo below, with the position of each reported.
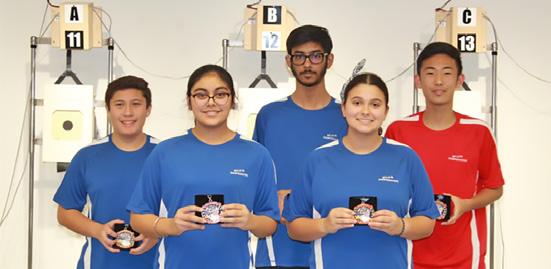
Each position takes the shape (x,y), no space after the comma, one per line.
(258,134)
(146,198)
(72,192)
(265,202)
(490,175)
(422,195)
(391,131)
(300,201)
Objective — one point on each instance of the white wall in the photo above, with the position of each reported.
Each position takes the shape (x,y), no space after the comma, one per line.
(175,37)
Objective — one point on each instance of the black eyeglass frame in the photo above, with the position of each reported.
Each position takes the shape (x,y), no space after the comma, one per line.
(213,97)
(308,57)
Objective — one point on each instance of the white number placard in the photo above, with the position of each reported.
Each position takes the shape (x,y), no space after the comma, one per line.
(272,15)
(466,17)
(466,42)
(74,14)
(74,39)
(271,40)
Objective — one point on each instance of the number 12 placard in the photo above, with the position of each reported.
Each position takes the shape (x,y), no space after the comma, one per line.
(271,40)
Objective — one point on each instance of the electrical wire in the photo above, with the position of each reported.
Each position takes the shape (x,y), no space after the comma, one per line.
(293,16)
(510,56)
(123,52)
(502,83)
(48,26)
(125,55)
(43,18)
(512,92)
(445,4)
(252,6)
(5,212)
(108,28)
(401,73)
(429,40)
(143,69)
(50,4)
(492,25)
(243,23)
(7,209)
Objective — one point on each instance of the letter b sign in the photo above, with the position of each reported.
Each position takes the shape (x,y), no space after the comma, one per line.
(271,14)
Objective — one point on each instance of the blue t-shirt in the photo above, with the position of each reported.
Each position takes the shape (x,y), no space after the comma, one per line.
(393,173)
(182,167)
(106,176)
(290,133)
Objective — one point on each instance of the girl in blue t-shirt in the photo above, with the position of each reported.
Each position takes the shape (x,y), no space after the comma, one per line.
(206,190)
(362,197)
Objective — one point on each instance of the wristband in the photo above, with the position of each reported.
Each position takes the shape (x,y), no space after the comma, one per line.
(403,227)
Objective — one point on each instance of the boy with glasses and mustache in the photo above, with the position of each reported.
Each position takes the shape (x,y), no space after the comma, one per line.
(291,128)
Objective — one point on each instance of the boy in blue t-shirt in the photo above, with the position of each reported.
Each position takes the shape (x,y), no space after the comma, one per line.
(105,174)
(291,128)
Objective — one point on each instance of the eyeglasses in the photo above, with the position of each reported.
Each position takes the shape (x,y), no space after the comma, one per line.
(315,58)
(219,98)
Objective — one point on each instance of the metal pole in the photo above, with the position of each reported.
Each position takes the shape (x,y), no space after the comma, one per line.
(416,49)
(110,47)
(225,45)
(263,62)
(493,111)
(32,114)
(493,124)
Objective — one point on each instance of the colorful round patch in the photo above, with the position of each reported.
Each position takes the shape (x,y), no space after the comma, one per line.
(125,239)
(442,209)
(363,213)
(211,211)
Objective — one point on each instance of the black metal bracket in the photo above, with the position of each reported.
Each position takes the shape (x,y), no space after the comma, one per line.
(68,72)
(263,75)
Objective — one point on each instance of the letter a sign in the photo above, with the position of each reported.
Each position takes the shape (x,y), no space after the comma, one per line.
(272,14)
(74,14)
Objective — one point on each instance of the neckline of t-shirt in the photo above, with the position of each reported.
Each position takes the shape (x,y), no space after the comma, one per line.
(235,138)
(347,150)
(291,102)
(456,123)
(147,141)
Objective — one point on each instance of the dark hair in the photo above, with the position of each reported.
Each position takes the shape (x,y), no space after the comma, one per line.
(127,82)
(204,70)
(440,48)
(365,78)
(309,33)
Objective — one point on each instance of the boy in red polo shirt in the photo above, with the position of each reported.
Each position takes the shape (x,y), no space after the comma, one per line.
(460,156)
